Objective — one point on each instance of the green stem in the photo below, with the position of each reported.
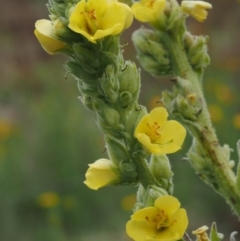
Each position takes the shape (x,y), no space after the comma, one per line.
(225,179)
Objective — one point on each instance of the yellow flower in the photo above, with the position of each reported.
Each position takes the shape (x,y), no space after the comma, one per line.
(236,121)
(48,200)
(148,11)
(201,233)
(216,113)
(44,32)
(158,135)
(96,19)
(166,221)
(100,174)
(6,129)
(196,9)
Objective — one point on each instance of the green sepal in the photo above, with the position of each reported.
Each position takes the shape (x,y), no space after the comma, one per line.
(214,235)
(161,170)
(129,80)
(116,150)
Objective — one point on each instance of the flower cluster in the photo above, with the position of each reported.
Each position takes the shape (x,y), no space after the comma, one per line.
(93,19)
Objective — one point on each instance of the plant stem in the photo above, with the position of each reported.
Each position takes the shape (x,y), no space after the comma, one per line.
(224,177)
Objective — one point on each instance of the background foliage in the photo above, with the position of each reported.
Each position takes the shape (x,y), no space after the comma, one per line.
(47,138)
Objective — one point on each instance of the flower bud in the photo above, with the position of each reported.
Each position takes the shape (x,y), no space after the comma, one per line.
(45,34)
(197,9)
(151,52)
(101,173)
(161,170)
(129,80)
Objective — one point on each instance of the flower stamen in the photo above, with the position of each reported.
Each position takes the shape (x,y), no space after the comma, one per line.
(91,19)
(154,131)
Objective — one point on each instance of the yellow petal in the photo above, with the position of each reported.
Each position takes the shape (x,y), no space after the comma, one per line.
(100,174)
(142,13)
(179,222)
(100,6)
(196,9)
(139,231)
(148,10)
(44,34)
(167,203)
(158,115)
(141,214)
(172,136)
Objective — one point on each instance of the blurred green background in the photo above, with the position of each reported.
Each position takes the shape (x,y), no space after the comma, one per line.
(47,138)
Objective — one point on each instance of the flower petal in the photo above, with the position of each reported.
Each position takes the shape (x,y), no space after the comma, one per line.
(139,231)
(141,214)
(179,222)
(44,34)
(172,132)
(167,203)
(100,174)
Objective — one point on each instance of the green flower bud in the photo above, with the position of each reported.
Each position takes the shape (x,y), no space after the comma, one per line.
(108,84)
(116,150)
(128,172)
(87,102)
(151,52)
(147,197)
(87,57)
(176,22)
(108,119)
(125,99)
(161,170)
(133,119)
(129,80)
(197,51)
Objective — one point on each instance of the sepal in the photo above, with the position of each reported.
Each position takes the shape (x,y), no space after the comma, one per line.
(161,170)
(214,235)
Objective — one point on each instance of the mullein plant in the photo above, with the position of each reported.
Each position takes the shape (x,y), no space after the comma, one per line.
(137,142)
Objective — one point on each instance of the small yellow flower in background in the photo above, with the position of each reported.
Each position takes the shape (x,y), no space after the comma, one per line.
(197,9)
(69,202)
(224,93)
(44,32)
(216,113)
(48,200)
(128,202)
(6,129)
(236,121)
(100,174)
(148,11)
(201,233)
(96,19)
(166,221)
(158,135)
